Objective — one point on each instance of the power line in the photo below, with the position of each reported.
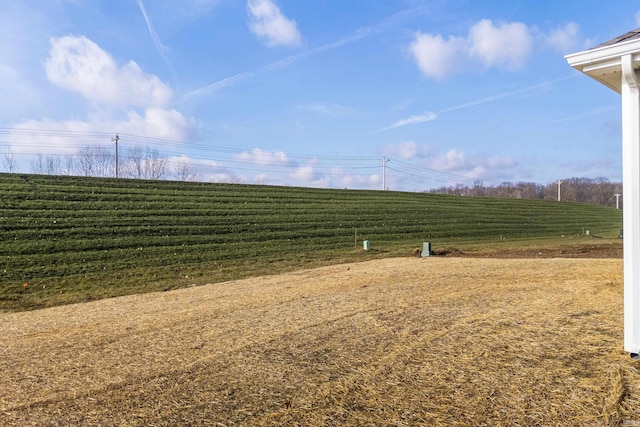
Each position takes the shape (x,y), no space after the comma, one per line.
(231,157)
(423,169)
(423,175)
(178,144)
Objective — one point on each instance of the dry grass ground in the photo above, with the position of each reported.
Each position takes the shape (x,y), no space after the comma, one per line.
(394,342)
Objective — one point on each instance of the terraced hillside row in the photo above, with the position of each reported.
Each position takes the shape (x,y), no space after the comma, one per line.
(69,239)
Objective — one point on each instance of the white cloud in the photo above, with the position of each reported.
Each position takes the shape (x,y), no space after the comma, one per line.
(359,181)
(261,179)
(158,123)
(229,178)
(506,45)
(322,183)
(408,150)
(270,25)
(266,158)
(435,56)
(80,65)
(453,160)
(565,39)
(306,174)
(66,137)
(452,166)
(53,137)
(405,150)
(479,166)
(213,171)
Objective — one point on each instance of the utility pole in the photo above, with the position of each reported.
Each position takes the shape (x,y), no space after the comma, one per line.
(384,172)
(617,195)
(116,139)
(559,182)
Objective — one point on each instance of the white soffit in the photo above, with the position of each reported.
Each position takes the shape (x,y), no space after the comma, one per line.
(604,63)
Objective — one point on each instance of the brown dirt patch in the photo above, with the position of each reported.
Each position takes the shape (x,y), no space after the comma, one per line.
(597,249)
(393,342)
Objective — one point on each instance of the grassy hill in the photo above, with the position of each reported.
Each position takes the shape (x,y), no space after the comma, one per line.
(75,239)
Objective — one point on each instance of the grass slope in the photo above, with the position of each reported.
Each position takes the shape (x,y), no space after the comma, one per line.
(76,239)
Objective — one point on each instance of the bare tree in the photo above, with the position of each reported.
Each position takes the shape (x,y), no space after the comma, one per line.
(184,170)
(37,164)
(133,166)
(261,179)
(68,165)
(587,190)
(144,163)
(84,164)
(10,163)
(155,164)
(233,179)
(529,190)
(94,161)
(46,165)
(104,161)
(53,165)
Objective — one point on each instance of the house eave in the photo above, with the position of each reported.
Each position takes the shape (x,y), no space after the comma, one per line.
(604,63)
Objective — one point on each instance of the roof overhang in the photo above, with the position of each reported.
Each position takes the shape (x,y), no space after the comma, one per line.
(604,64)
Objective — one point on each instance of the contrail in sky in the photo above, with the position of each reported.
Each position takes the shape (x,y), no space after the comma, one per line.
(431,116)
(587,114)
(359,34)
(496,97)
(162,49)
(279,64)
(229,81)
(425,117)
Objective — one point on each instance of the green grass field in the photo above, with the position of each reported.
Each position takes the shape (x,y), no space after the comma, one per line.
(75,239)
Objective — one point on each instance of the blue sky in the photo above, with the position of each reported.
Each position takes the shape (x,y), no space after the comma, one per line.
(317,93)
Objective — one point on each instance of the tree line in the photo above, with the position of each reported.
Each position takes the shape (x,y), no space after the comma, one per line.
(588,190)
(135,162)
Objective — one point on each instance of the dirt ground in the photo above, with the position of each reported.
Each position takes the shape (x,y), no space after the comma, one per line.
(451,341)
(595,248)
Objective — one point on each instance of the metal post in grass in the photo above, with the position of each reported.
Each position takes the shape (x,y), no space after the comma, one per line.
(559,182)
(426,249)
(616,64)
